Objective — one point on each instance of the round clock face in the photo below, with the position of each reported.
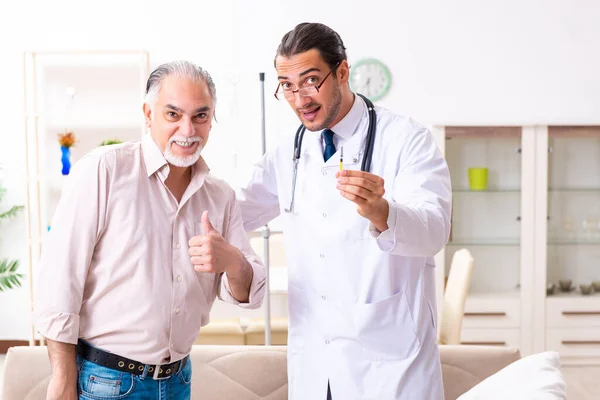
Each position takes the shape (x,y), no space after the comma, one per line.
(370,77)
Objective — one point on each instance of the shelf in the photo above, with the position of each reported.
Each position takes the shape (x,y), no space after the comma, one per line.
(515,294)
(485,242)
(489,190)
(482,132)
(575,190)
(517,242)
(574,294)
(574,242)
(518,190)
(91,124)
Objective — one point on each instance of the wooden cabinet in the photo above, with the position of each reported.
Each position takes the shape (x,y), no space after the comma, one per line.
(534,224)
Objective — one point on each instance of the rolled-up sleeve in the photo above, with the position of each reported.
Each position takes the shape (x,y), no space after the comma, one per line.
(68,249)
(236,235)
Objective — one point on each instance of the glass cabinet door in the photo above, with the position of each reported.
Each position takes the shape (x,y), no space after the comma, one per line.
(486,170)
(573,250)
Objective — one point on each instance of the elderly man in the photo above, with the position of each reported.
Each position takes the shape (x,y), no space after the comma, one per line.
(119,299)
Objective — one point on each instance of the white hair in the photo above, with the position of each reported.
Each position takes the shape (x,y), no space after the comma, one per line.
(181,68)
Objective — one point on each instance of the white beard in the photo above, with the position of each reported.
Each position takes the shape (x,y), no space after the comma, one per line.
(183,161)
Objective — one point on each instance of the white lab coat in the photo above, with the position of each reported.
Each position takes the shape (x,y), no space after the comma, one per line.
(361,309)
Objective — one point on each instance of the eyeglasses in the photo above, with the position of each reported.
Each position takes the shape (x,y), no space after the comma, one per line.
(305,91)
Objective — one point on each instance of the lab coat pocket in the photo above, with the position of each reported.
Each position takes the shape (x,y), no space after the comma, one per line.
(298,318)
(385,329)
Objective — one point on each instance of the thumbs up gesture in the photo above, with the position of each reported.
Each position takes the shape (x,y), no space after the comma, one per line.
(210,252)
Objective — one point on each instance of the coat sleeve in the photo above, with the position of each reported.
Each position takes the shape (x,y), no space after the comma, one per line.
(258,197)
(420,206)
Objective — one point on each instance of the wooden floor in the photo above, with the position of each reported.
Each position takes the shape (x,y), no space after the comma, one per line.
(583,383)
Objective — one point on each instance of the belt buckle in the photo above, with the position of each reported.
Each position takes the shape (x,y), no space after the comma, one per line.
(157,372)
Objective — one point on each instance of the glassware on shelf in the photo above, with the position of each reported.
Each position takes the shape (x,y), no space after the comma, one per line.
(478,178)
(565,285)
(585,289)
(590,227)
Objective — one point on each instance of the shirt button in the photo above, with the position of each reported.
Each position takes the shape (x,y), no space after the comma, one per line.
(324,215)
(324,173)
(324,298)
(178,245)
(177,310)
(327,342)
(179,278)
(322,255)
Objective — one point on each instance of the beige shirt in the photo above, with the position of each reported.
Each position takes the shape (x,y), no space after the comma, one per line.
(115,268)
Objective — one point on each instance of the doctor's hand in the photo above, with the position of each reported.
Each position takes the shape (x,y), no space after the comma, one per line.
(210,252)
(366,191)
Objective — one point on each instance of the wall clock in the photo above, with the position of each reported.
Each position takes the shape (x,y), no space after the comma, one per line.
(371,78)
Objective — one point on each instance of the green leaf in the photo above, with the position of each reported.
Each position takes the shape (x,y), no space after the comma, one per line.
(12,212)
(9,277)
(13,265)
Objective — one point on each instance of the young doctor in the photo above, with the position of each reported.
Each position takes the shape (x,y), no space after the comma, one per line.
(360,245)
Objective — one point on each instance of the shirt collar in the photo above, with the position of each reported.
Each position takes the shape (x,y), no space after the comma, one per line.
(348,125)
(154,159)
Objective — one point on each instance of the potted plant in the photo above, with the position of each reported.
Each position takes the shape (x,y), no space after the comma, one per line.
(9,275)
(109,142)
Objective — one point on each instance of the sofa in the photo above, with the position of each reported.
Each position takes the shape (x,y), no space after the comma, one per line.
(230,372)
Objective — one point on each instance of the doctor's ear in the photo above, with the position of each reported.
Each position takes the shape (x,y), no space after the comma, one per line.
(343,72)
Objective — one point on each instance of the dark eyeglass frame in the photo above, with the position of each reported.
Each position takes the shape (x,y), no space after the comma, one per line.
(304,91)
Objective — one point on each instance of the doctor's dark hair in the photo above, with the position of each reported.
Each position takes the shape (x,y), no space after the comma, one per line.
(307,36)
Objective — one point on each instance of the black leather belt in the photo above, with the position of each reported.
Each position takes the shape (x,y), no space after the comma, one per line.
(114,361)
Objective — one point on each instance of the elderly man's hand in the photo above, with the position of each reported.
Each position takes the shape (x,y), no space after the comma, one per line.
(210,252)
(366,191)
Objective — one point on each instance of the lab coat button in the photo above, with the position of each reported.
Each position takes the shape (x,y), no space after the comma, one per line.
(327,342)
(322,255)
(324,298)
(324,173)
(324,215)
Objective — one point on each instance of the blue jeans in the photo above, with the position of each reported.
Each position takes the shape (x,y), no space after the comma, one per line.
(100,383)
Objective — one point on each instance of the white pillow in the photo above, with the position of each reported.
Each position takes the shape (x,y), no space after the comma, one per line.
(535,377)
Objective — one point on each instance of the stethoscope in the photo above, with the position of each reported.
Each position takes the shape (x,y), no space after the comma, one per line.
(366,162)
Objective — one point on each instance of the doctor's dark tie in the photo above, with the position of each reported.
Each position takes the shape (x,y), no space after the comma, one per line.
(329,146)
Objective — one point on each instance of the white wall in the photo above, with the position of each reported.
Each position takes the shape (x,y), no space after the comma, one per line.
(493,62)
